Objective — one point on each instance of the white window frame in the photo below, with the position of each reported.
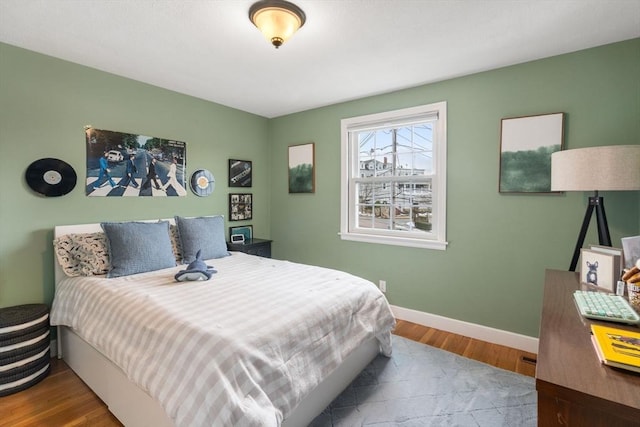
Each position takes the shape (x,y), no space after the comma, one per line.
(436,239)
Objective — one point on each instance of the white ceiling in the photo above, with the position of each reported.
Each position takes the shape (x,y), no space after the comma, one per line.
(347,49)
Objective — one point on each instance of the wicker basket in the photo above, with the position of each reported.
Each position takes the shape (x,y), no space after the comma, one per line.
(24,347)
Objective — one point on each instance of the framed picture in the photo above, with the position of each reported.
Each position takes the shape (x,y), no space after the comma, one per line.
(302,168)
(599,268)
(240,172)
(526,145)
(123,164)
(631,248)
(240,207)
(244,230)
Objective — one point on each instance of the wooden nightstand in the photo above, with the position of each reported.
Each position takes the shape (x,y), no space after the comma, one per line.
(260,247)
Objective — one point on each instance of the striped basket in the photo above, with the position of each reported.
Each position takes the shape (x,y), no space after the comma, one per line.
(24,347)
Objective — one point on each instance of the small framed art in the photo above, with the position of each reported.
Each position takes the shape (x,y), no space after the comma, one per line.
(599,268)
(302,168)
(240,173)
(631,248)
(240,207)
(244,230)
(526,145)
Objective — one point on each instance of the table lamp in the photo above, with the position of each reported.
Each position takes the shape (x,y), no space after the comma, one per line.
(609,168)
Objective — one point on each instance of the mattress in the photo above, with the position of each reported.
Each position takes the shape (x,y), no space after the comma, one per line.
(242,349)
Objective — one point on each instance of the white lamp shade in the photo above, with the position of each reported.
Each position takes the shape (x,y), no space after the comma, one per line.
(609,168)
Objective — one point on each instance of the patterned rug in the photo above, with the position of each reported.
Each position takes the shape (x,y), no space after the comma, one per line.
(425,386)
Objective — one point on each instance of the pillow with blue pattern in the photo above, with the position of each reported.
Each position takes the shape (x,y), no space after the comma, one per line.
(138,247)
(204,233)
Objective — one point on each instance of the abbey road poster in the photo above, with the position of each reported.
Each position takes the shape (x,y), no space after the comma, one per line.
(129,165)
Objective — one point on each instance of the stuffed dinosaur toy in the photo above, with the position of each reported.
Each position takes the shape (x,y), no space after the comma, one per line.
(197,270)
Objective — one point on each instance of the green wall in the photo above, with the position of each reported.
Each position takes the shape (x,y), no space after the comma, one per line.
(499,244)
(45,104)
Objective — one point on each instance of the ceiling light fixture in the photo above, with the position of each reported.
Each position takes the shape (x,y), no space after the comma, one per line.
(277,19)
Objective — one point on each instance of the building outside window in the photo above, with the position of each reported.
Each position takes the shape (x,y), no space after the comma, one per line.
(394,177)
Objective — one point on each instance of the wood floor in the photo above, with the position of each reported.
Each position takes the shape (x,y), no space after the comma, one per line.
(62,399)
(500,356)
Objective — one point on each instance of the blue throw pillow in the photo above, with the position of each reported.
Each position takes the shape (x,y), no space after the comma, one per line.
(203,233)
(137,247)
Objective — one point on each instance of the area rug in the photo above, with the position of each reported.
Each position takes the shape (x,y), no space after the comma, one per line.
(421,385)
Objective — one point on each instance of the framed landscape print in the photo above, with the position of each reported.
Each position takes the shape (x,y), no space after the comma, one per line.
(240,173)
(526,145)
(302,168)
(240,207)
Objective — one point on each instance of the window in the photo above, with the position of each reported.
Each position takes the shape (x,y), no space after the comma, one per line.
(394,177)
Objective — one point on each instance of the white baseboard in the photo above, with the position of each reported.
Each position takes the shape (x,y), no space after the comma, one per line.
(472,330)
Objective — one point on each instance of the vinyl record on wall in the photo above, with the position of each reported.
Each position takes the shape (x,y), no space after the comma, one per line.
(51,177)
(202,183)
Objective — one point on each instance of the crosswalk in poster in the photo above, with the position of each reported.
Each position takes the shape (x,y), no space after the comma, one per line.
(130,165)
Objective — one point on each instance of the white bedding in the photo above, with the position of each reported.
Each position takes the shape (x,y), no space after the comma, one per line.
(241,349)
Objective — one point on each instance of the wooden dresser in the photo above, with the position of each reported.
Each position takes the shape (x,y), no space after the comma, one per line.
(574,388)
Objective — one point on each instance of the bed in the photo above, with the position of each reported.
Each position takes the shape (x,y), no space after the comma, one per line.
(264,342)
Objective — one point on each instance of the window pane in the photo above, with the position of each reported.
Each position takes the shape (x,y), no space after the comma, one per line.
(402,206)
(403,151)
(374,153)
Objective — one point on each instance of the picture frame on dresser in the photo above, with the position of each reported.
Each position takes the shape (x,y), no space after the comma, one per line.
(631,250)
(599,268)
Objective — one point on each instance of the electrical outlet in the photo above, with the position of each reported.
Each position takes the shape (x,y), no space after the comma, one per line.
(382,284)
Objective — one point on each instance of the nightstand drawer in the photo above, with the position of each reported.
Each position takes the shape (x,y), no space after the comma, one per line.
(259,247)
